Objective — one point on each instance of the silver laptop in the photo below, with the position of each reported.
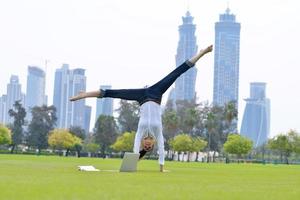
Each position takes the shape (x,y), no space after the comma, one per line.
(129,163)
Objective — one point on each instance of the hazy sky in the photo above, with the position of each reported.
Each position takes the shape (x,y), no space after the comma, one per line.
(132,43)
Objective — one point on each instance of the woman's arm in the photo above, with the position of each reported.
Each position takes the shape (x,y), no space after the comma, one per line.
(83,95)
(161,168)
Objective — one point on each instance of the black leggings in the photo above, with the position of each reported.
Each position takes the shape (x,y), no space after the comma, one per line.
(153,93)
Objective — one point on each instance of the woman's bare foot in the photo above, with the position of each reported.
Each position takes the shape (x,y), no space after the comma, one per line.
(208,49)
(202,52)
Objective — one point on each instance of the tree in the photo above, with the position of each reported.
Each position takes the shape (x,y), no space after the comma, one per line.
(295,139)
(105,132)
(170,125)
(185,143)
(190,119)
(80,134)
(124,142)
(230,114)
(77,145)
(5,135)
(283,144)
(128,116)
(237,144)
(188,115)
(62,139)
(198,144)
(221,130)
(213,138)
(43,121)
(181,142)
(77,131)
(218,123)
(203,109)
(19,114)
(91,148)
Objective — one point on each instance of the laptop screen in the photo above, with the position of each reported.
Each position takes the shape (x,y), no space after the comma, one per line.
(129,162)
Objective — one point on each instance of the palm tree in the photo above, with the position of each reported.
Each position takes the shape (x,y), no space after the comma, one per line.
(210,126)
(170,125)
(191,119)
(230,114)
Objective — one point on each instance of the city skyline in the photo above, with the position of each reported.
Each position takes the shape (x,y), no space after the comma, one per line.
(116,39)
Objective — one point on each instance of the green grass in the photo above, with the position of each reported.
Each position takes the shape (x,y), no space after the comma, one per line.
(56,178)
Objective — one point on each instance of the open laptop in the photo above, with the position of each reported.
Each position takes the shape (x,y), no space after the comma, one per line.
(129,162)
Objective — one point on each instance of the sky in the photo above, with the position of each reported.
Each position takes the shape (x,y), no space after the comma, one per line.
(132,43)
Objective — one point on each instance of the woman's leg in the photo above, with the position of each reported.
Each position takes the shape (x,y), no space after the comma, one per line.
(126,94)
(161,148)
(166,82)
(137,141)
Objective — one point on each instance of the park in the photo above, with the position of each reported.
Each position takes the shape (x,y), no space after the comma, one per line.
(149,100)
(53,177)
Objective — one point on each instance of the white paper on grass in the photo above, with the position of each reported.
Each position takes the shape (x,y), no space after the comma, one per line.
(87,168)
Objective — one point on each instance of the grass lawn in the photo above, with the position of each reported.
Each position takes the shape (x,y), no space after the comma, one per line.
(57,178)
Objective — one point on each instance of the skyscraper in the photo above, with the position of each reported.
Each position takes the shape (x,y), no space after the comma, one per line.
(60,94)
(78,83)
(256,119)
(226,63)
(87,118)
(187,47)
(68,83)
(104,105)
(13,94)
(35,92)
(2,109)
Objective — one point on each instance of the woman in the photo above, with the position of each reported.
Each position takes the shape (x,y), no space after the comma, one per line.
(150,123)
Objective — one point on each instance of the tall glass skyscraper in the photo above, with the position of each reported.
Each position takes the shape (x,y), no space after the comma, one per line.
(76,113)
(187,47)
(256,119)
(88,112)
(2,108)
(226,63)
(13,94)
(35,92)
(68,83)
(60,94)
(104,105)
